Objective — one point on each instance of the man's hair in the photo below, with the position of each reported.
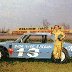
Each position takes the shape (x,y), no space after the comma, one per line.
(57,26)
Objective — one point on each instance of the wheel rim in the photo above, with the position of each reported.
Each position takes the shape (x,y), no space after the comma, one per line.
(0,55)
(62,56)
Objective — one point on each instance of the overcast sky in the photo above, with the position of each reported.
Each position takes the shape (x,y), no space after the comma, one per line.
(26,13)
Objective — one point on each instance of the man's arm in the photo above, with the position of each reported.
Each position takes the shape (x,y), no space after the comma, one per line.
(63,35)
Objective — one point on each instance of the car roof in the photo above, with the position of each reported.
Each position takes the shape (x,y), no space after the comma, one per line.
(39,33)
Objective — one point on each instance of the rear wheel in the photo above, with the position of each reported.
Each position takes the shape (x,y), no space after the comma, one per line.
(64,57)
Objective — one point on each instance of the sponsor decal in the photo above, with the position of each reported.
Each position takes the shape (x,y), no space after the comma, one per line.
(32,46)
(18,46)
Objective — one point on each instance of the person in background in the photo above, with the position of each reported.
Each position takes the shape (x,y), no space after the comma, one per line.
(58,41)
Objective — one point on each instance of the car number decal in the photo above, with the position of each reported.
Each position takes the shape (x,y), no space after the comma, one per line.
(21,50)
(33,52)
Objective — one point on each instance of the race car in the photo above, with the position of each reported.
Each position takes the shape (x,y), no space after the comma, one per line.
(34,45)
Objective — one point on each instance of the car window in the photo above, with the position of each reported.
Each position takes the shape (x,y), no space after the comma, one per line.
(49,39)
(34,39)
(21,37)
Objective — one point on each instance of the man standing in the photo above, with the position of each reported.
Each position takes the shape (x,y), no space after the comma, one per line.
(58,40)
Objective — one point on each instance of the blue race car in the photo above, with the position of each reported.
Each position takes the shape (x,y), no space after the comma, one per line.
(34,45)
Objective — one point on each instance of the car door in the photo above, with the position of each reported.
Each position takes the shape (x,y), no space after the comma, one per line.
(34,46)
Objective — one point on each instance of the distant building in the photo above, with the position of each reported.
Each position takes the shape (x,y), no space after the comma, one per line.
(20,31)
(29,30)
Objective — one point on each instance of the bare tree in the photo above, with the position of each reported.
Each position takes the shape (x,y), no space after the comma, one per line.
(46,24)
(65,26)
(3,30)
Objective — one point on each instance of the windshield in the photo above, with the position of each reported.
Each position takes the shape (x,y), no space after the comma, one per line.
(21,37)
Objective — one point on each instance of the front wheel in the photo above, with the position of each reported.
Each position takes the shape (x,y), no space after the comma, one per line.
(3,54)
(0,54)
(64,57)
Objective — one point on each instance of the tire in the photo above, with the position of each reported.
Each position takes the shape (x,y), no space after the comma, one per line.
(3,54)
(64,58)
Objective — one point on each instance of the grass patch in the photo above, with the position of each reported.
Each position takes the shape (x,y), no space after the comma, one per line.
(31,65)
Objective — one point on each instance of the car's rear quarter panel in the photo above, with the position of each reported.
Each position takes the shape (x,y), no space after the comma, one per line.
(68,47)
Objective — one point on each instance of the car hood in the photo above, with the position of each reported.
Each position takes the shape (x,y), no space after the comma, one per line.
(9,41)
(6,43)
